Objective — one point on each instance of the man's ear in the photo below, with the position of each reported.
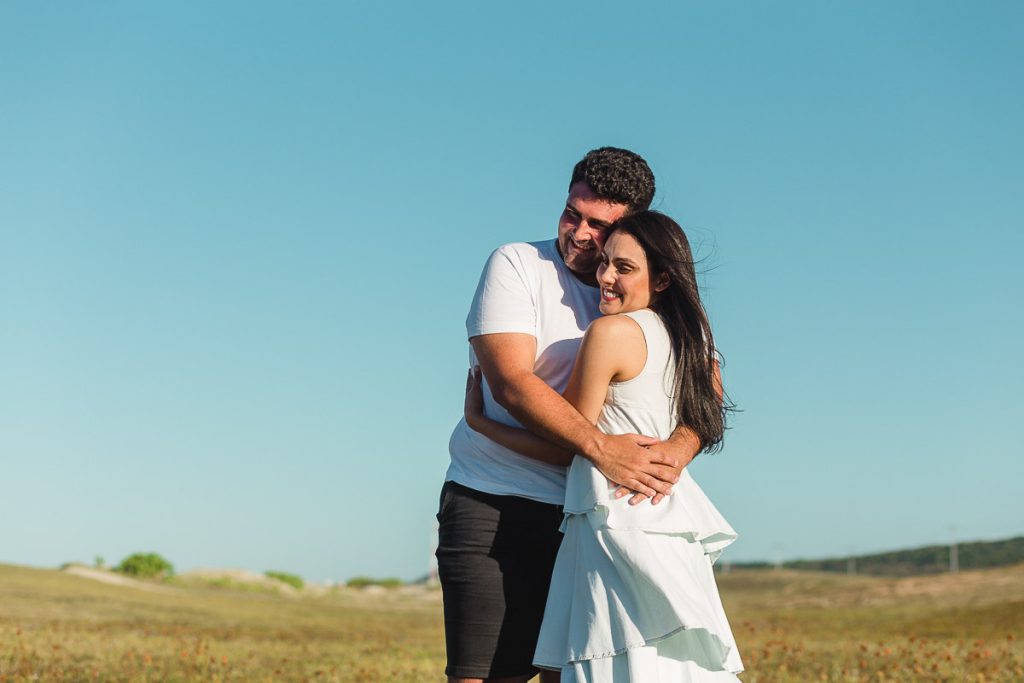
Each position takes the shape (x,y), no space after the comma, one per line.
(662,283)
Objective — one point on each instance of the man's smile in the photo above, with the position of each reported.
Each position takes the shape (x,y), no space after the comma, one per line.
(582,246)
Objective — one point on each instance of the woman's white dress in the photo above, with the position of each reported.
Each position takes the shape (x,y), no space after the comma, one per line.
(633,597)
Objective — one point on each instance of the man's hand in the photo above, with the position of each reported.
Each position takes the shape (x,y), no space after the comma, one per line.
(682,447)
(624,459)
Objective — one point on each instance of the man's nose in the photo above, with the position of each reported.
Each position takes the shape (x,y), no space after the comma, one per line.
(583,232)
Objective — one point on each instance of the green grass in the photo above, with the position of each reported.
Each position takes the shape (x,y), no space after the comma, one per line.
(292,580)
(791,626)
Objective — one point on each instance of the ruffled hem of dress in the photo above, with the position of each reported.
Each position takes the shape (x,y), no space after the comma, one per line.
(713,540)
(727,651)
(588,581)
(643,665)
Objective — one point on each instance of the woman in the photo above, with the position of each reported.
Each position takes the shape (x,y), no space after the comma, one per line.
(633,596)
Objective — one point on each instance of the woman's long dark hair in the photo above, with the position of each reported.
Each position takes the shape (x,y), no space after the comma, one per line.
(699,401)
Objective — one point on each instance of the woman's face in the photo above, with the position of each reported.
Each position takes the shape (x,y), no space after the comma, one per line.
(624,277)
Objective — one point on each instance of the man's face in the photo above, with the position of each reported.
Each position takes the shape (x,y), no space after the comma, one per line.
(583,227)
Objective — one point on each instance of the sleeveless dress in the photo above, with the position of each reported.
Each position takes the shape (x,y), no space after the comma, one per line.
(633,597)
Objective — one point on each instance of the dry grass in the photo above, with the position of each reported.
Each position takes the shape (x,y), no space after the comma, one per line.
(791,626)
(794,626)
(59,627)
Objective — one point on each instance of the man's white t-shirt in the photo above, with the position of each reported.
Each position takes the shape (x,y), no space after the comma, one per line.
(526,288)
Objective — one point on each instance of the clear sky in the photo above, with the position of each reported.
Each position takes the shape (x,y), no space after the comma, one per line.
(238,242)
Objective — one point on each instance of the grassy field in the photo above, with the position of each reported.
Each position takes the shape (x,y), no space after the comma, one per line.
(791,626)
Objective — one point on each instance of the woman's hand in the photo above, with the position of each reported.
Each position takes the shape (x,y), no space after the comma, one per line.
(473,408)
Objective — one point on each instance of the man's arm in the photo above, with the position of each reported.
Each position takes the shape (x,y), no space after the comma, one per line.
(517,439)
(507,359)
(682,446)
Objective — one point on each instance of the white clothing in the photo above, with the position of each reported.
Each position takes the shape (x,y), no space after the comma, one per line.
(633,596)
(524,288)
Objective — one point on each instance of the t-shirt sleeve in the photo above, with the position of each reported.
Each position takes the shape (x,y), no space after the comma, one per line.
(503,301)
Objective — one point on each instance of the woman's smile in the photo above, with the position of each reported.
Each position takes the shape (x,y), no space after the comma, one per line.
(624,276)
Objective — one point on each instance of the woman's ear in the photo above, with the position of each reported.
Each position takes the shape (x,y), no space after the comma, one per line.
(662,282)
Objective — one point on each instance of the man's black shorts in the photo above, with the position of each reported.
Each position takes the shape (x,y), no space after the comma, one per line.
(494,559)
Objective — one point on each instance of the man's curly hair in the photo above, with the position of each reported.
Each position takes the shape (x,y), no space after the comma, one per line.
(616,175)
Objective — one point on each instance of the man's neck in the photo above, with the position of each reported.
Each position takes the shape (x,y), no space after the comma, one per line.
(586,278)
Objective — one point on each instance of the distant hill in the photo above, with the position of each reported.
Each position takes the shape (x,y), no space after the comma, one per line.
(933,559)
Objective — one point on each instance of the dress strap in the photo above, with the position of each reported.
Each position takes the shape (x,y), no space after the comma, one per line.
(659,344)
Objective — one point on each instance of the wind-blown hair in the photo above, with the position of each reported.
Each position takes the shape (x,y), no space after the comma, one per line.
(699,401)
(616,175)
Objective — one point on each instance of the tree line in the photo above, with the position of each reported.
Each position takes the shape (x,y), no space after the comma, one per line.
(933,559)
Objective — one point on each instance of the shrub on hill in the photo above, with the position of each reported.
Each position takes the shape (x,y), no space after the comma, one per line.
(364,581)
(290,579)
(145,565)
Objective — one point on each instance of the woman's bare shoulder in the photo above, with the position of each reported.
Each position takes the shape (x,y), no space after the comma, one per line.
(617,327)
(619,342)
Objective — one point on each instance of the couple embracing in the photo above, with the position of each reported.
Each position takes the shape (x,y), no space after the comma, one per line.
(571,539)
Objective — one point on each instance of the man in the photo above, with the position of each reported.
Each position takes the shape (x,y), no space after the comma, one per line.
(500,511)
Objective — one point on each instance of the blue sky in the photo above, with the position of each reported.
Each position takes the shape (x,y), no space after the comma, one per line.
(238,243)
